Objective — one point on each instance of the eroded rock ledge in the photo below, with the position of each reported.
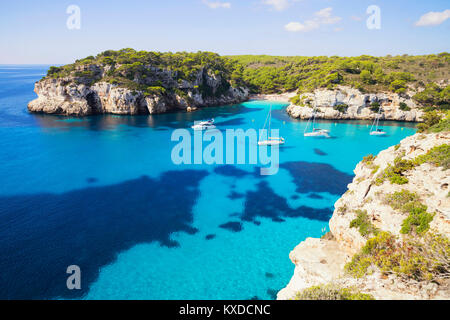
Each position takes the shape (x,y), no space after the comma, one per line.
(68,97)
(358,103)
(321,261)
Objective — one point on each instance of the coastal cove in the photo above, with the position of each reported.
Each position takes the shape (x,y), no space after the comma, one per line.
(101,192)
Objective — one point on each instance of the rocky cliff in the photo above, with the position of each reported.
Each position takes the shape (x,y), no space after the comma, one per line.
(355,105)
(72,96)
(376,194)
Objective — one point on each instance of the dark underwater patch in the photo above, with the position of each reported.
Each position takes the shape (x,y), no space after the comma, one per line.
(42,234)
(269,275)
(315,196)
(272,293)
(232,226)
(264,202)
(231,171)
(210,236)
(235,195)
(91,180)
(317,177)
(320,152)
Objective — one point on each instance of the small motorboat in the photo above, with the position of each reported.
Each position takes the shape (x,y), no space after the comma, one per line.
(204,125)
(317,133)
(271,142)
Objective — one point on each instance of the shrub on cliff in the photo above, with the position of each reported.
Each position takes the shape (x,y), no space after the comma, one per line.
(430,119)
(342,108)
(438,156)
(364,225)
(423,259)
(442,125)
(404,107)
(375,106)
(332,292)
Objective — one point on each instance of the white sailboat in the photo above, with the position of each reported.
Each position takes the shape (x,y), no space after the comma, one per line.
(271,141)
(204,125)
(316,132)
(376,122)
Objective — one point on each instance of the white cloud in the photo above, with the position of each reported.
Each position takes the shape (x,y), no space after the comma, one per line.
(433,18)
(321,17)
(278,5)
(302,27)
(325,16)
(217,4)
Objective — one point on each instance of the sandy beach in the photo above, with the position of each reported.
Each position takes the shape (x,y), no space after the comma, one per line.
(284,97)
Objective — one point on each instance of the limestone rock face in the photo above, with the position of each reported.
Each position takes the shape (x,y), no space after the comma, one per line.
(429,182)
(358,105)
(316,262)
(67,97)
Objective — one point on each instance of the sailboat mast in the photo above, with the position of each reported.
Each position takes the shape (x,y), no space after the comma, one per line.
(378,117)
(270,120)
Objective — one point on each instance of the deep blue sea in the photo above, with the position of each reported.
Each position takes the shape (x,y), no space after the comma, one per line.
(102,193)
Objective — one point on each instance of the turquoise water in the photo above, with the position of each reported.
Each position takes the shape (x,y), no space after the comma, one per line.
(102,192)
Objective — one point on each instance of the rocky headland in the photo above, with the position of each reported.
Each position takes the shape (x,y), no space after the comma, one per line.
(397,203)
(77,96)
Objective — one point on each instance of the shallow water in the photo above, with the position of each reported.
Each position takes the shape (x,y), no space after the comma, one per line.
(102,192)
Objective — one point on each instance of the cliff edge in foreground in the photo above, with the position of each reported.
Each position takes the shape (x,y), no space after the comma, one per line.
(389,233)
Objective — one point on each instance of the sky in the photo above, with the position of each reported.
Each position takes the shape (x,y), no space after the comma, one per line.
(52,32)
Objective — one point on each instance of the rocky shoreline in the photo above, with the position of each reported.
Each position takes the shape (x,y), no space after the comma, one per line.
(322,261)
(69,96)
(345,103)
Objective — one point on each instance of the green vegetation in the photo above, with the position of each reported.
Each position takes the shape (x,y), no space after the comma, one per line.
(395,173)
(342,209)
(362,222)
(271,74)
(425,258)
(404,107)
(342,108)
(153,72)
(368,160)
(419,219)
(139,70)
(430,119)
(439,156)
(433,95)
(399,199)
(375,106)
(156,73)
(332,292)
(433,122)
